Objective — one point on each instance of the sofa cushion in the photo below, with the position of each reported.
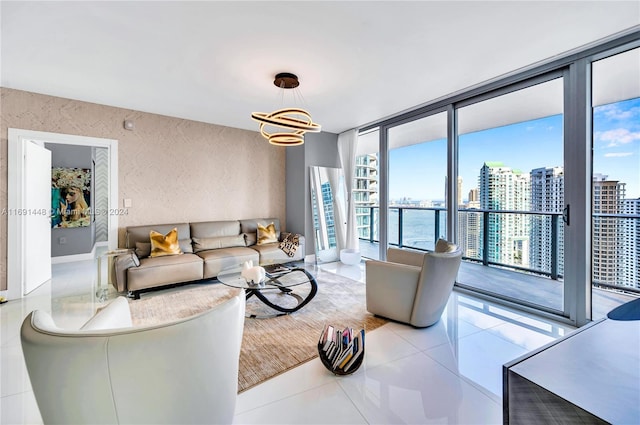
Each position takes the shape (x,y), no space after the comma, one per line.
(215,229)
(266,234)
(271,253)
(143,249)
(185,246)
(158,271)
(202,244)
(216,260)
(250,228)
(162,245)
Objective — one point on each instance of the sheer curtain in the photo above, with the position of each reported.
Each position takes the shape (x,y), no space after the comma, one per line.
(347,143)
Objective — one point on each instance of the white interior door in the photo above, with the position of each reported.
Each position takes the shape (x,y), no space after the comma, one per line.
(37,212)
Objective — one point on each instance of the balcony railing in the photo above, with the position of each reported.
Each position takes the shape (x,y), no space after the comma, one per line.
(427,224)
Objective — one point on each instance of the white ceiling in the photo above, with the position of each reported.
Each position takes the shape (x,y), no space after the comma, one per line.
(214,61)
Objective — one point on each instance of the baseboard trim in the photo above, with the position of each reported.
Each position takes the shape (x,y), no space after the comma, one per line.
(76,257)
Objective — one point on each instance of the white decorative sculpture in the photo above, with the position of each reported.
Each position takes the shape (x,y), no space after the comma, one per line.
(251,273)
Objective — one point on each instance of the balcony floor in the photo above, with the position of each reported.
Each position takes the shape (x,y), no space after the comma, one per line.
(534,289)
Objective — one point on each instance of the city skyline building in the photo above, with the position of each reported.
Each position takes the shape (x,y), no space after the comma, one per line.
(631,253)
(365,193)
(504,189)
(523,240)
(547,196)
(608,239)
(469,231)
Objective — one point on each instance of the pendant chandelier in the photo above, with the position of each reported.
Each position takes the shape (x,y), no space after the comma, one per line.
(295,122)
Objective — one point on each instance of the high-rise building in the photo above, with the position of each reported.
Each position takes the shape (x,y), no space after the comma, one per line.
(365,193)
(504,189)
(608,240)
(631,239)
(473,195)
(547,195)
(469,230)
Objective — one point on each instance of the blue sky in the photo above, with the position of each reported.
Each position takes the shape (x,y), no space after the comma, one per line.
(418,171)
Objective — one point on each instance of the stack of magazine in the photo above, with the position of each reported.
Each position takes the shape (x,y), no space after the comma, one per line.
(341,350)
(275,270)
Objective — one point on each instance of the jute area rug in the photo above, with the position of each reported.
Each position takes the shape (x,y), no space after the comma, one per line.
(340,302)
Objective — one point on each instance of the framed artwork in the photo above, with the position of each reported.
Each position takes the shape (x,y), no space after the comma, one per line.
(70,197)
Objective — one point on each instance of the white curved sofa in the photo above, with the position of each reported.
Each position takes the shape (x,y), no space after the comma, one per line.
(184,371)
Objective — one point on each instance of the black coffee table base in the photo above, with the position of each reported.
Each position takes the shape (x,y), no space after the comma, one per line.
(250,292)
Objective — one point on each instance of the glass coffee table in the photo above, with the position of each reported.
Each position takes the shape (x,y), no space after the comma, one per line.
(279,284)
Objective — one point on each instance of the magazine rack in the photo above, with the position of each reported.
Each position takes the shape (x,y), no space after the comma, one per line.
(346,357)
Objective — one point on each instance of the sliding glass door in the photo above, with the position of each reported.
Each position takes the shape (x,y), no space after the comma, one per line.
(511,172)
(519,172)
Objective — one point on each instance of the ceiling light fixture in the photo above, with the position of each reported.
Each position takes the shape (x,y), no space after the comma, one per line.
(298,121)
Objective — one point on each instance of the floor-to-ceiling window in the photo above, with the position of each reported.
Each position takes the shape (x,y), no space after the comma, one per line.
(615,236)
(543,221)
(417,182)
(511,168)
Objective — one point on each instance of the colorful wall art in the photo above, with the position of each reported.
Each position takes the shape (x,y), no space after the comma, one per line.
(70,197)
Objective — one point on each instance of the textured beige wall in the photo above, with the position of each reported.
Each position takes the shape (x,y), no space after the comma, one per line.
(173,170)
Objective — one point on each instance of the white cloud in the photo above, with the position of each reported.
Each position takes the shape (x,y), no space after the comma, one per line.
(617,154)
(614,112)
(617,137)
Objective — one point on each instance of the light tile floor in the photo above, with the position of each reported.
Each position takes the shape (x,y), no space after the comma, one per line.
(448,373)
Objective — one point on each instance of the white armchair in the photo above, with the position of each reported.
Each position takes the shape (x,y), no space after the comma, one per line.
(413,287)
(184,371)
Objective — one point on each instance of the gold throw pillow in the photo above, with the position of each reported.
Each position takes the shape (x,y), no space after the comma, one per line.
(267,234)
(164,244)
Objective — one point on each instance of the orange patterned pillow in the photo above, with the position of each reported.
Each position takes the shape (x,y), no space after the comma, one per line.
(164,244)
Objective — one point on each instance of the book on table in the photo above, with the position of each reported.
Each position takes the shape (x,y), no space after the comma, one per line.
(276,270)
(358,350)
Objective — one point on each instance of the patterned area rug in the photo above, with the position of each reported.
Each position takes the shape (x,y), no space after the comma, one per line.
(274,345)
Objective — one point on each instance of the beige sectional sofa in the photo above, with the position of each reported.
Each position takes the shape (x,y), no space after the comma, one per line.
(207,249)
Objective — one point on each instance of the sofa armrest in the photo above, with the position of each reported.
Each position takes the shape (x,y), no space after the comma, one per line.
(121,264)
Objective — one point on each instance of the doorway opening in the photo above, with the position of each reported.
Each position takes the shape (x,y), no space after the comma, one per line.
(17,249)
